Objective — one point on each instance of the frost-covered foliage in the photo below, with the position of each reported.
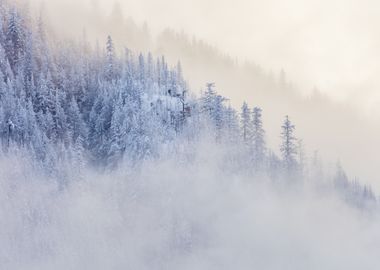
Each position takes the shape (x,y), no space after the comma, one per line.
(109,162)
(69,103)
(105,105)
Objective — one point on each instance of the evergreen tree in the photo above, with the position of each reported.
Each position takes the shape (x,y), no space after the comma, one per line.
(232,126)
(212,106)
(245,123)
(76,125)
(219,116)
(288,146)
(15,38)
(117,132)
(258,137)
(208,99)
(110,67)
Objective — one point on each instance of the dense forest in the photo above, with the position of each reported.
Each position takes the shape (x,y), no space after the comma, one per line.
(108,158)
(99,107)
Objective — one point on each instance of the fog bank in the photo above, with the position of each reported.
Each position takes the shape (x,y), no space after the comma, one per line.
(169,215)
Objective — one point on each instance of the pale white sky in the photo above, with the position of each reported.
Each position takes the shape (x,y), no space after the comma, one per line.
(332,44)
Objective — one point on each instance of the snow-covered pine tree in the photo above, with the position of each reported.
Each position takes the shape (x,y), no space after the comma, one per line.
(15,38)
(117,132)
(232,129)
(246,125)
(214,109)
(258,138)
(110,61)
(219,116)
(288,146)
(208,99)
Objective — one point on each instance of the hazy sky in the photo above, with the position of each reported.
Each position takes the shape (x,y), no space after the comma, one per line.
(331,44)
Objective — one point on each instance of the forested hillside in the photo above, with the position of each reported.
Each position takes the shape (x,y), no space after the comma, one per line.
(278,92)
(69,102)
(109,160)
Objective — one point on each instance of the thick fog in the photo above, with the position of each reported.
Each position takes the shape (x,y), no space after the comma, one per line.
(173,214)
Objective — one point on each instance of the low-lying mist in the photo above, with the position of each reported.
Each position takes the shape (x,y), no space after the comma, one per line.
(176,213)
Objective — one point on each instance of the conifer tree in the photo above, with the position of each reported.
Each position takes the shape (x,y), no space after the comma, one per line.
(110,67)
(245,123)
(258,137)
(288,146)
(15,38)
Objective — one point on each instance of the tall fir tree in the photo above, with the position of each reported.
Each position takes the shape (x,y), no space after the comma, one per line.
(245,123)
(258,138)
(288,146)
